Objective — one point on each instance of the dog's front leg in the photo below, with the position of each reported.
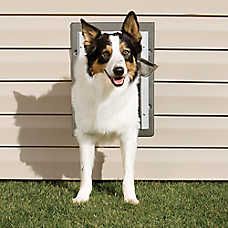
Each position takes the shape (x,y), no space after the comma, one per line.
(87,151)
(128,143)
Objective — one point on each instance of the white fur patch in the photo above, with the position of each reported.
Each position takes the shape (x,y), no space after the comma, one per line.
(117,59)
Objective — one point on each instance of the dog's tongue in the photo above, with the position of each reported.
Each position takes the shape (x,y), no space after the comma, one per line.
(118,81)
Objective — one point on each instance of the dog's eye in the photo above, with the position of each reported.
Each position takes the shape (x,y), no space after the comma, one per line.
(126,53)
(105,55)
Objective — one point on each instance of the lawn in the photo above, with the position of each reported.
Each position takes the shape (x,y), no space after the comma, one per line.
(162,204)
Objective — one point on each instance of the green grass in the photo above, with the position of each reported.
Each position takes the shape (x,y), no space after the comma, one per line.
(162,204)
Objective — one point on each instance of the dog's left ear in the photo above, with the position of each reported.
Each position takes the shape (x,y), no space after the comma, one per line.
(131,26)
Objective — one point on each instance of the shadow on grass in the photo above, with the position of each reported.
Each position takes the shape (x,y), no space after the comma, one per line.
(108,187)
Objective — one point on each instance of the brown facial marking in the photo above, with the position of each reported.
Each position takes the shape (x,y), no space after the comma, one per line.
(131,65)
(131,68)
(109,49)
(123,46)
(98,67)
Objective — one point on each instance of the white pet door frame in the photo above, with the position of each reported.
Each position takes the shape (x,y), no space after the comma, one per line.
(146,84)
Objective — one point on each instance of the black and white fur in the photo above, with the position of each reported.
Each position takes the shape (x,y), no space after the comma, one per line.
(105,99)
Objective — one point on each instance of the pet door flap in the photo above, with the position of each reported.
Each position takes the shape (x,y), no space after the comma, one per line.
(145,65)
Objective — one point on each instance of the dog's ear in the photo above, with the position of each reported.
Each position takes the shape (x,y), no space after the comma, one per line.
(131,26)
(145,67)
(89,32)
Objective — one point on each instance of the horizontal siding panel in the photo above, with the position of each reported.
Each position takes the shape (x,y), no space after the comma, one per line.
(191,33)
(34,65)
(171,32)
(169,132)
(170,98)
(55,65)
(191,98)
(35,31)
(151,164)
(35,97)
(104,7)
(39,31)
(191,65)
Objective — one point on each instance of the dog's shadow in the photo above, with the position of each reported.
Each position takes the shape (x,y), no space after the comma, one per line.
(37,145)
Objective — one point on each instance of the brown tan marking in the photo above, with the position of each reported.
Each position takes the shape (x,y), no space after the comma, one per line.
(123,46)
(109,49)
(131,68)
(98,67)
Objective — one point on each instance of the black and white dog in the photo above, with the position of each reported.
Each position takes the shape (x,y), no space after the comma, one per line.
(105,99)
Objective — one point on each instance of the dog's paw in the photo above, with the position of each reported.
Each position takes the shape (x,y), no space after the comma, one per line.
(80,199)
(129,193)
(82,196)
(131,200)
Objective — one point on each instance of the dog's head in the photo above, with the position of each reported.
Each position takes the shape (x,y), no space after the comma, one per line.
(113,54)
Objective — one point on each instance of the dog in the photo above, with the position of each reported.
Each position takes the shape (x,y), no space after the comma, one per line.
(105,99)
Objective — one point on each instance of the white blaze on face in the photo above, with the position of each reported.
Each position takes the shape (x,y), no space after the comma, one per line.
(117,59)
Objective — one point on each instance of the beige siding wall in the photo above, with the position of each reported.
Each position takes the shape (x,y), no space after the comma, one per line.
(191,91)
(120,7)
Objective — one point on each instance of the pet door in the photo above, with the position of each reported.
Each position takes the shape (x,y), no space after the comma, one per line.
(146,84)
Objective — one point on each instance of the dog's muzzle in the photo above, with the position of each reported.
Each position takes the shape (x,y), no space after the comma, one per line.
(117,79)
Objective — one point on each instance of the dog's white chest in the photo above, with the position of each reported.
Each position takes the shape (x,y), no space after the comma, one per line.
(101,110)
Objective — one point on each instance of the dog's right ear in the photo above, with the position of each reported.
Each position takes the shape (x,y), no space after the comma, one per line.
(89,32)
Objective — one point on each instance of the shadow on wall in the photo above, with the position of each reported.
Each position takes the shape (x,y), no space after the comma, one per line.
(51,151)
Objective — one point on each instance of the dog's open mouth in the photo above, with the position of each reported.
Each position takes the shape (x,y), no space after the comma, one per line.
(116,80)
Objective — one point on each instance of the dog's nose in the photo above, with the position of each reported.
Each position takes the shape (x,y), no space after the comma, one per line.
(118,71)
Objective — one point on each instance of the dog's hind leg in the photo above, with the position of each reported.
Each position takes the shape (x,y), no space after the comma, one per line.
(87,153)
(128,143)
